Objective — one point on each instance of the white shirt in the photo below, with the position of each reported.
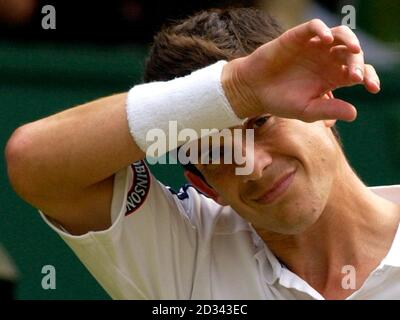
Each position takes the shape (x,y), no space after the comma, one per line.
(185,246)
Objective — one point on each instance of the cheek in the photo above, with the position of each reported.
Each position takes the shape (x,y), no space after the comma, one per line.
(322,158)
(315,150)
(313,186)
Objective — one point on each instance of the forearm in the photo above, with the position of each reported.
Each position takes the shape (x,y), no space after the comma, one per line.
(63,154)
(72,150)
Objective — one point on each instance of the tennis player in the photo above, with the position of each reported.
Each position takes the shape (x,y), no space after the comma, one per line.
(301,225)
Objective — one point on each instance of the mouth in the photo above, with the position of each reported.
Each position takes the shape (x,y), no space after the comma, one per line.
(278,189)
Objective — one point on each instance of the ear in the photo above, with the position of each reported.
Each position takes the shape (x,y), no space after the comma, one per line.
(203,187)
(329,123)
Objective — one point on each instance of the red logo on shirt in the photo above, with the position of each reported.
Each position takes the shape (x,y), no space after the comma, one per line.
(139,190)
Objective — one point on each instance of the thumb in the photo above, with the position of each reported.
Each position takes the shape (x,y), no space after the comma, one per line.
(322,109)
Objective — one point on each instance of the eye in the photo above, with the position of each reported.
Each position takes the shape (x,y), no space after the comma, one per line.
(259,122)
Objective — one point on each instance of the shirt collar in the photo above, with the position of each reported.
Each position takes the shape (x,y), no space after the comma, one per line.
(393,257)
(268,264)
(391,193)
(272,269)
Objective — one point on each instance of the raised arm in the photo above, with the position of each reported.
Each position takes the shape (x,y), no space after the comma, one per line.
(64,164)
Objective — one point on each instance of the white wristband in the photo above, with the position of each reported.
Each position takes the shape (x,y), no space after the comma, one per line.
(196,101)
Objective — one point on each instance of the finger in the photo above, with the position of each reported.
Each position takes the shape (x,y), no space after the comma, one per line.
(307,31)
(371,79)
(322,109)
(354,62)
(343,35)
(339,54)
(340,79)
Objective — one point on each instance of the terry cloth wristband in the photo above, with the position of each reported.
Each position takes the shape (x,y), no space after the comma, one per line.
(196,101)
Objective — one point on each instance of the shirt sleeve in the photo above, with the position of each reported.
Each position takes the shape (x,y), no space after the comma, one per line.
(150,250)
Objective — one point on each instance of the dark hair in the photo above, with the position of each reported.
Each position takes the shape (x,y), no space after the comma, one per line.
(205,38)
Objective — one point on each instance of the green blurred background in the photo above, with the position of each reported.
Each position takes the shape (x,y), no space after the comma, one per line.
(38,78)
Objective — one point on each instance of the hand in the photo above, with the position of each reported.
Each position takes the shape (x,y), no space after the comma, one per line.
(294,75)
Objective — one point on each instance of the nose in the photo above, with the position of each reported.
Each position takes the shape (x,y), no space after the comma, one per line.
(261,160)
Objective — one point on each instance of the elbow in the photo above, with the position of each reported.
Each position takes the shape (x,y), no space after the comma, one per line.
(17,154)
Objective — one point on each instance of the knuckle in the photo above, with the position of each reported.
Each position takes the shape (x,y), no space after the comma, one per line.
(316,22)
(345,29)
(371,69)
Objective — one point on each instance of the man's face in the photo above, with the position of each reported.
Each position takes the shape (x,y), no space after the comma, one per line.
(294,169)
